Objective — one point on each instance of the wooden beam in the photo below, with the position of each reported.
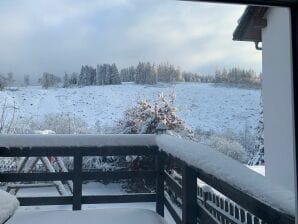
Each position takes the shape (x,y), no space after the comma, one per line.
(125,198)
(32,201)
(77,181)
(172,211)
(86,151)
(160,185)
(119,175)
(173,184)
(281,3)
(189,196)
(294,30)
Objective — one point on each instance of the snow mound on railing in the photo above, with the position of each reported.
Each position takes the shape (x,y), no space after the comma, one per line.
(75,140)
(229,171)
(8,205)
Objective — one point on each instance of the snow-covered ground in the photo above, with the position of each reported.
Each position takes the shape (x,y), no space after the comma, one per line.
(200,105)
(91,188)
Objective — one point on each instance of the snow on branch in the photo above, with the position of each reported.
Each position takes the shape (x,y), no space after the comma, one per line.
(229,171)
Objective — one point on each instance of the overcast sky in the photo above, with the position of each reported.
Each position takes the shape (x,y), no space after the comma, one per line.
(60,35)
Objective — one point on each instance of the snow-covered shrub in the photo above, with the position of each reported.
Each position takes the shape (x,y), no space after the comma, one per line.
(62,123)
(228,147)
(146,116)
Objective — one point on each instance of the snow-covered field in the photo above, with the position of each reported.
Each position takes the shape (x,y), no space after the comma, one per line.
(200,105)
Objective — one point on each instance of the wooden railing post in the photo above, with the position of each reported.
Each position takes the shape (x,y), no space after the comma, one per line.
(189,196)
(77,181)
(160,184)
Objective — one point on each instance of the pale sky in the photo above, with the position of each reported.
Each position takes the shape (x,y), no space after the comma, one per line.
(60,35)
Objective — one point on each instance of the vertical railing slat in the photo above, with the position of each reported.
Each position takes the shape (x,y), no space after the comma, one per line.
(160,185)
(189,196)
(77,181)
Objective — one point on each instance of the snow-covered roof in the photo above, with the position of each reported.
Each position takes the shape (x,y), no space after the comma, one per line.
(75,140)
(224,168)
(8,205)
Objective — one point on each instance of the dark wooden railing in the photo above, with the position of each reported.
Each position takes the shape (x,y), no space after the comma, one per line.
(78,176)
(197,206)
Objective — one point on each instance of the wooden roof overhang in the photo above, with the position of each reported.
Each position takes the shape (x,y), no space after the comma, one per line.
(250,24)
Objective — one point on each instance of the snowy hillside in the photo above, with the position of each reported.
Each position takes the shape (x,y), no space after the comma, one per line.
(200,105)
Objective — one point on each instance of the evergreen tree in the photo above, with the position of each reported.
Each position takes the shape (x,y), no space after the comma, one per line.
(49,80)
(66,82)
(26,80)
(73,80)
(114,75)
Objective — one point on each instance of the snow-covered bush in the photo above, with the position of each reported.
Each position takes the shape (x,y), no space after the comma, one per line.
(245,139)
(146,116)
(62,123)
(228,147)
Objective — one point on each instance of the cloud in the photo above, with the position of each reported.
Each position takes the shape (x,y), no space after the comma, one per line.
(61,35)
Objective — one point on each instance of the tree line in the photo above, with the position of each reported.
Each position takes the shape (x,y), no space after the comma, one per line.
(238,76)
(143,73)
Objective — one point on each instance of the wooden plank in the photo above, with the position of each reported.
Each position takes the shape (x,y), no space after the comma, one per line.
(28,177)
(77,181)
(36,151)
(173,184)
(249,219)
(189,196)
(282,3)
(118,175)
(294,44)
(204,216)
(33,201)
(126,198)
(160,185)
(86,151)
(97,199)
(120,151)
(172,211)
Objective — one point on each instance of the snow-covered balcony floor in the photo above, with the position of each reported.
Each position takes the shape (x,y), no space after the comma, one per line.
(96,216)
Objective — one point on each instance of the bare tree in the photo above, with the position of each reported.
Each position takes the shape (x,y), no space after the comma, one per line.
(7,117)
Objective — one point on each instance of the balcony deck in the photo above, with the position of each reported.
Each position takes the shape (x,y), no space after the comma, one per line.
(245,197)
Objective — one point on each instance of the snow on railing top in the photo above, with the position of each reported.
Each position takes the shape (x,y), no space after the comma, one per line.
(8,205)
(194,154)
(229,171)
(8,141)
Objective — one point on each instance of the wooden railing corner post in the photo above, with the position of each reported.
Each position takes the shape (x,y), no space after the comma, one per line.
(160,184)
(77,180)
(189,196)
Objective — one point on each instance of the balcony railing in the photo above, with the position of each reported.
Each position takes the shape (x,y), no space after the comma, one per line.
(228,201)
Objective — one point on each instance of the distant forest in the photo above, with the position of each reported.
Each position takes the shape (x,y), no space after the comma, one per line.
(143,73)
